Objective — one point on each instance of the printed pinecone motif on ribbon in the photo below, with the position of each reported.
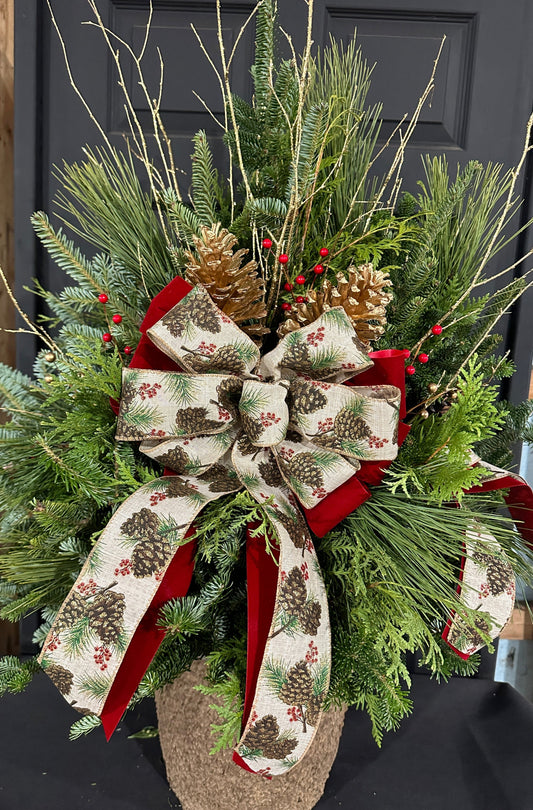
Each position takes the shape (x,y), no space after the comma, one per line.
(149,557)
(74,608)
(304,397)
(246,447)
(61,677)
(346,427)
(175,459)
(220,479)
(253,427)
(106,614)
(235,288)
(270,473)
(197,308)
(194,420)
(309,618)
(176,487)
(296,528)
(304,469)
(499,576)
(143,524)
(264,737)
(298,686)
(364,295)
(314,706)
(225,359)
(229,392)
(298,358)
(293,592)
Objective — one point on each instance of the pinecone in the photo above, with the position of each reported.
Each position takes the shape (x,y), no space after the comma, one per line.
(226,359)
(364,296)
(297,357)
(61,678)
(73,610)
(253,427)
(297,529)
(264,733)
(304,468)
(349,426)
(499,575)
(229,393)
(221,479)
(175,459)
(309,618)
(312,713)
(270,473)
(176,487)
(193,421)
(106,614)
(298,688)
(305,397)
(144,524)
(236,289)
(149,556)
(476,638)
(293,592)
(197,308)
(246,448)
(482,558)
(127,395)
(281,748)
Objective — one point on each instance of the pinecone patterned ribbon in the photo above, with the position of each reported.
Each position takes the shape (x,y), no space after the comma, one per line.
(282,427)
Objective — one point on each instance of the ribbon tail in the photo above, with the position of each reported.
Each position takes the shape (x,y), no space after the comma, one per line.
(148,637)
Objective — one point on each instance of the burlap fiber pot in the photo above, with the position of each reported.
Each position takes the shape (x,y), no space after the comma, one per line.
(203,781)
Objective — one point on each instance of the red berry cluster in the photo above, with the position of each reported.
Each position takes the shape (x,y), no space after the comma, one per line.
(286,453)
(88,588)
(54,643)
(320,493)
(283,576)
(295,714)
(159,433)
(268,419)
(323,385)
(376,443)
(264,772)
(157,497)
(314,338)
(123,569)
(206,348)
(101,656)
(305,571)
(223,414)
(312,654)
(484,590)
(149,391)
(159,575)
(325,425)
(309,546)
(349,366)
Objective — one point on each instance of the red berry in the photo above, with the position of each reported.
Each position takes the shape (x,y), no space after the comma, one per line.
(127,350)
(267,243)
(437,329)
(300,279)
(103,298)
(410,370)
(324,252)
(117,318)
(406,353)
(423,358)
(318,269)
(106,337)
(287,286)
(283,258)
(285,306)
(299,299)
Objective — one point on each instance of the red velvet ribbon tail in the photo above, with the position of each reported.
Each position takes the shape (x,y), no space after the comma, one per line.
(148,636)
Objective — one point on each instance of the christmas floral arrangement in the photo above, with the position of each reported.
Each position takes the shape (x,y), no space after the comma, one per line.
(263,428)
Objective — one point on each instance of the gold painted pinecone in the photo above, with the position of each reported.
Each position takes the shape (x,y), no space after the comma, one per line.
(499,575)
(293,592)
(309,618)
(62,678)
(73,610)
(298,688)
(194,420)
(196,307)
(175,459)
(364,294)
(106,614)
(144,524)
(303,468)
(149,556)
(264,733)
(235,288)
(306,398)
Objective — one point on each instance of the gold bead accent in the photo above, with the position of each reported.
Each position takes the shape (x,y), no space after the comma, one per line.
(454,394)
(49,357)
(433,388)
(48,378)
(424,414)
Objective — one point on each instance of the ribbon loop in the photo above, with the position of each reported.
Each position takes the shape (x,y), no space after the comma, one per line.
(264,412)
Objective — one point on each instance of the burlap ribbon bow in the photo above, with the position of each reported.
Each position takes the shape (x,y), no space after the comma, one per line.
(288,431)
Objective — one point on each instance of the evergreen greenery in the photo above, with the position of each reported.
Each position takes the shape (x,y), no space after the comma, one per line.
(301,155)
